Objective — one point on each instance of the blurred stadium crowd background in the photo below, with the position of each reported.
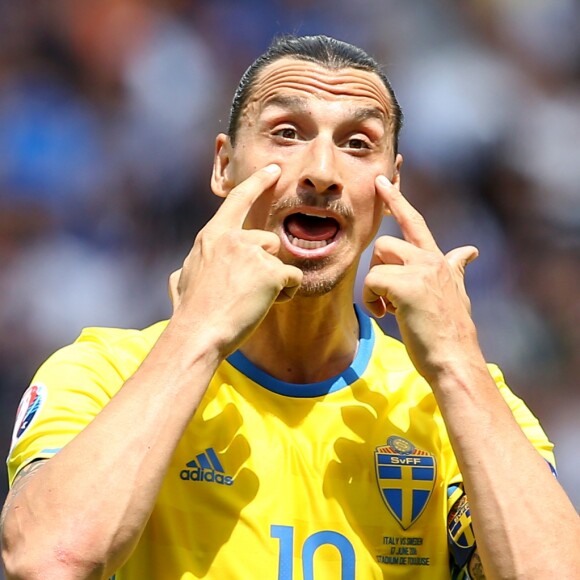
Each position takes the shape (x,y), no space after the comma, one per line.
(108,112)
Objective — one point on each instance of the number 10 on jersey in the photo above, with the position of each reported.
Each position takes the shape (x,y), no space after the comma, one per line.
(325,537)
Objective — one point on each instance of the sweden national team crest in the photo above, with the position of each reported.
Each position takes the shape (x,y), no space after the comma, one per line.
(406,477)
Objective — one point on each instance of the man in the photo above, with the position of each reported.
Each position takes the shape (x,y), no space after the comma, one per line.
(269,429)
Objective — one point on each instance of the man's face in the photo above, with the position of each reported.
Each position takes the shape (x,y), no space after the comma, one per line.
(331,133)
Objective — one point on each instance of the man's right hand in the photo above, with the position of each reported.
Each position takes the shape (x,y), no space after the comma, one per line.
(232,276)
(228,282)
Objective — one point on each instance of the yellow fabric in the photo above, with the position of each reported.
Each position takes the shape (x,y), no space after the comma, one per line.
(290,488)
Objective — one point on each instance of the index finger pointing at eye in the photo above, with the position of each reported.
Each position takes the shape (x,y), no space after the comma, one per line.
(234,209)
(411,222)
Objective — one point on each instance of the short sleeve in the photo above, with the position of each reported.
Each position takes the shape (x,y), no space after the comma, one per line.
(525,418)
(67,393)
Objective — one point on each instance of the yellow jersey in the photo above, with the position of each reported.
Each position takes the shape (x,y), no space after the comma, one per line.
(349,478)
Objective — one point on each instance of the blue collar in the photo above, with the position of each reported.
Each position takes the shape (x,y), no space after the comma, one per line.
(344,379)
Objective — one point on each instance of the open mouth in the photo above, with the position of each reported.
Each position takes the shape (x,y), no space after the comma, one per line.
(310,232)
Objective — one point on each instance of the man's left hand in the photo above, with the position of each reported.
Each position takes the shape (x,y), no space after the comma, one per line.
(421,286)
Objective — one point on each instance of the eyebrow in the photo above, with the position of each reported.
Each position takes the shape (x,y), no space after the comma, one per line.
(369,113)
(292,102)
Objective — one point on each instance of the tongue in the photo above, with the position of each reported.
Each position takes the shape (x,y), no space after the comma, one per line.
(311,228)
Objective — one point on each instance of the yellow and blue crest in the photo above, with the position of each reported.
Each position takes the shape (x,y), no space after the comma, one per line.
(406,477)
(460,532)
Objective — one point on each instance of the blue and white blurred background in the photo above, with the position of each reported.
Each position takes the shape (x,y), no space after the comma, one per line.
(108,112)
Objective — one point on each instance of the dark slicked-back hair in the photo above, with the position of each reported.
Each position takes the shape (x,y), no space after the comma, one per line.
(322,50)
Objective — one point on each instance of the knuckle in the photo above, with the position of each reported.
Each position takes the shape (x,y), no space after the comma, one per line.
(372,278)
(231,238)
(274,242)
(204,235)
(435,261)
(272,236)
(255,252)
(201,234)
(232,235)
(417,220)
(382,243)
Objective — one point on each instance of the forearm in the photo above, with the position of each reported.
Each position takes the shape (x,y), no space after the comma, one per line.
(521,516)
(84,510)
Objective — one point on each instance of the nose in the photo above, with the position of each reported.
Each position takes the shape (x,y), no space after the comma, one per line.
(320,168)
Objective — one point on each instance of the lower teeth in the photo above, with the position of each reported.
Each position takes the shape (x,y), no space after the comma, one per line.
(307,244)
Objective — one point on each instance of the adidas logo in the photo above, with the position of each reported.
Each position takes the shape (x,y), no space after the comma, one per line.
(206,467)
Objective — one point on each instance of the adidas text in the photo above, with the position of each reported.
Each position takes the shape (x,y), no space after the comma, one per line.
(197,474)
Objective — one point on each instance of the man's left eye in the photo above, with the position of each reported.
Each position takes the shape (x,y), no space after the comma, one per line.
(287,133)
(357,144)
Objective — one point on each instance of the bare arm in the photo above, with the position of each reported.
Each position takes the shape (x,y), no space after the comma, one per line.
(521,515)
(81,514)
(19,482)
(476,568)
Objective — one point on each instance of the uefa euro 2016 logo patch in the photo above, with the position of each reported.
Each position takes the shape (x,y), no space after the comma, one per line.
(30,405)
(406,477)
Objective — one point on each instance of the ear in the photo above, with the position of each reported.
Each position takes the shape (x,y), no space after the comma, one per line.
(396,178)
(221,178)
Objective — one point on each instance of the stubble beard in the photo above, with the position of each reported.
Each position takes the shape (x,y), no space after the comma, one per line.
(316,281)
